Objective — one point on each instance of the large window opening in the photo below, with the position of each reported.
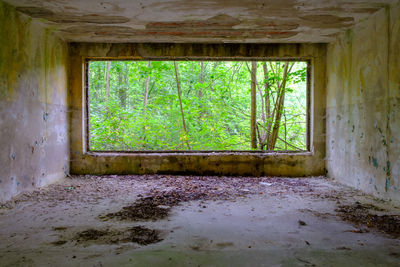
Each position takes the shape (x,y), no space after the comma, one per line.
(197,105)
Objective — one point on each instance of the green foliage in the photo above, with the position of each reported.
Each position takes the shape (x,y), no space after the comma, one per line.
(215,100)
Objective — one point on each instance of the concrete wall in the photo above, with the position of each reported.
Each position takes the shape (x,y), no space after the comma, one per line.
(363,105)
(33,117)
(85,162)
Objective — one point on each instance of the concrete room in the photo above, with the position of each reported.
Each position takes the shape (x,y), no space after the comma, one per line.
(335,203)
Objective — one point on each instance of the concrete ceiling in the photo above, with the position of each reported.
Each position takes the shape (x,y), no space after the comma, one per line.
(212,21)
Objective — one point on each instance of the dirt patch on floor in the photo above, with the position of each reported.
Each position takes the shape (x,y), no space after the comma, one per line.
(143,236)
(158,206)
(91,234)
(60,228)
(140,211)
(158,203)
(366,215)
(137,234)
(59,242)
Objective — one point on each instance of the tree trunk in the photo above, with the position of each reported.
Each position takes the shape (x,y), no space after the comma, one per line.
(253,129)
(121,88)
(200,93)
(284,115)
(108,80)
(279,107)
(178,86)
(146,92)
(201,78)
(213,71)
(266,92)
(267,101)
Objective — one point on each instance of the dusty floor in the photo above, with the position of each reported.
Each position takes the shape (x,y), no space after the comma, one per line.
(198,221)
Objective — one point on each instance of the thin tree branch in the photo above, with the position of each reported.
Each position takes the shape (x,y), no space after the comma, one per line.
(178,87)
(289,144)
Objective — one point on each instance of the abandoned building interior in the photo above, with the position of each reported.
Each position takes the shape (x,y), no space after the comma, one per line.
(66,200)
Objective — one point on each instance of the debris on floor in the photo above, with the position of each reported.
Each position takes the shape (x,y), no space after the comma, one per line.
(158,203)
(151,220)
(363,214)
(302,223)
(143,209)
(143,235)
(91,234)
(137,234)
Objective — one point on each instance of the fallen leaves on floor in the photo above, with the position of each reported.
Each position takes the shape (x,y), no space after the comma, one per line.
(137,234)
(174,190)
(365,214)
(142,210)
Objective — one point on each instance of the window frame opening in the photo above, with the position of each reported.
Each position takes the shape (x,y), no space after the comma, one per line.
(309,115)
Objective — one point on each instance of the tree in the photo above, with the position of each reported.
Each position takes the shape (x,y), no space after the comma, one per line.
(197,105)
(107,83)
(178,88)
(146,92)
(253,104)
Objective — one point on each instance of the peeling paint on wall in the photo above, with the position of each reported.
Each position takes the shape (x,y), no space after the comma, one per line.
(188,21)
(375,162)
(363,87)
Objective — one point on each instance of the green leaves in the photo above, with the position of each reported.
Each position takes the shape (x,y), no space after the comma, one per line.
(215,102)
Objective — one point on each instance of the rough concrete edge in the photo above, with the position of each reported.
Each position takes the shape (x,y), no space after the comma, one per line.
(80,51)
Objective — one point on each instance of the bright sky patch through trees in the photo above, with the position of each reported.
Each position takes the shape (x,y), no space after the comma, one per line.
(197,105)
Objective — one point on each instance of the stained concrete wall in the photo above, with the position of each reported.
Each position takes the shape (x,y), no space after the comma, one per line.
(363,105)
(33,117)
(300,164)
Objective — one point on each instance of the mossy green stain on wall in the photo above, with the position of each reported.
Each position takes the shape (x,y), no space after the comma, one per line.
(362,65)
(33,104)
(27,44)
(11,49)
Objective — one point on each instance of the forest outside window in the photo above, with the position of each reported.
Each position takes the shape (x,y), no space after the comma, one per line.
(197,105)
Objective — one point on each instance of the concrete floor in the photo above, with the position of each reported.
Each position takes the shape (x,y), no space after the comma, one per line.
(268,222)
